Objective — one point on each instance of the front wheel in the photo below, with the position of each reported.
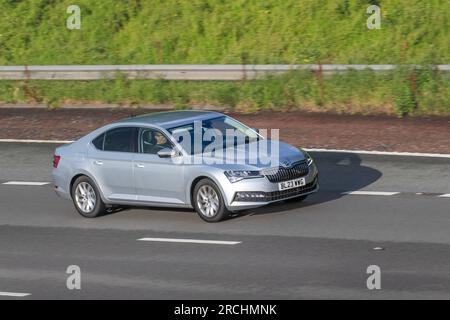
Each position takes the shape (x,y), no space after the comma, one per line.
(86,198)
(208,201)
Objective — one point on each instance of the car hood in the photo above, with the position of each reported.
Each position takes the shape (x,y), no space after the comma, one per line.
(260,154)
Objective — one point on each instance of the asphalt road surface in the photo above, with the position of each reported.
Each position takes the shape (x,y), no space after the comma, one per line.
(319,249)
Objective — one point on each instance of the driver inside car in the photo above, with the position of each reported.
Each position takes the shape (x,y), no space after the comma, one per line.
(154,142)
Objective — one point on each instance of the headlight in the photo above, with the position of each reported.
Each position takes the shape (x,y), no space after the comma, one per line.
(238,175)
(308,158)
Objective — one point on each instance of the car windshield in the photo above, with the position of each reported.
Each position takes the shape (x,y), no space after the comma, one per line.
(222,131)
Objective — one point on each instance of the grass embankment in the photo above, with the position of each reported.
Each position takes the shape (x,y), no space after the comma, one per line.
(419,92)
(224,32)
(238,31)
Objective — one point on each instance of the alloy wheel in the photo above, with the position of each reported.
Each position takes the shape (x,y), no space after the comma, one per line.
(85,197)
(208,201)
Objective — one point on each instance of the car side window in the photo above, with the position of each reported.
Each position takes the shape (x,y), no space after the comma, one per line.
(151,141)
(98,142)
(121,139)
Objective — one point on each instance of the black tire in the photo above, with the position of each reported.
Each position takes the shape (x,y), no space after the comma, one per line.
(222,211)
(297,199)
(99,208)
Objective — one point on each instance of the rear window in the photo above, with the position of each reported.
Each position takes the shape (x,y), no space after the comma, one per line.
(120,140)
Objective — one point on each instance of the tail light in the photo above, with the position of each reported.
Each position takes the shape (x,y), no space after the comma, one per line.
(56,161)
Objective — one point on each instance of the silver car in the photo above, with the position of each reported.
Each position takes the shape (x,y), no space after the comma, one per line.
(179,159)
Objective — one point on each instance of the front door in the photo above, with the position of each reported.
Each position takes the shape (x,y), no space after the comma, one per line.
(157,180)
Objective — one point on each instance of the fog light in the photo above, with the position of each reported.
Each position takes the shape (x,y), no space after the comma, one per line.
(250,196)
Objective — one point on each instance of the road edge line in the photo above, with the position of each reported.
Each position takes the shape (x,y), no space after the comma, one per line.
(384,153)
(368,152)
(36,141)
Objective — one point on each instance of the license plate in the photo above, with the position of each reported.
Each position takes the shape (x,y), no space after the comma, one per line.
(291,184)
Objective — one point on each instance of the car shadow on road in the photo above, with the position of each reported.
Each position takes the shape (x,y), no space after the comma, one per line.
(339,173)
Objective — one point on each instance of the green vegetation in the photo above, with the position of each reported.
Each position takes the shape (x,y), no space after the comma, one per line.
(236,31)
(416,92)
(224,31)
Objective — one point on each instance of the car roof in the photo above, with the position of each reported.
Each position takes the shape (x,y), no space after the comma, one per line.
(170,119)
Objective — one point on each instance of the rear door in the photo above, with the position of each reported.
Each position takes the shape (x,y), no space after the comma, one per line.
(112,162)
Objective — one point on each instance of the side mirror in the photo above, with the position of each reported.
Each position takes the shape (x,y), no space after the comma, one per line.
(256,129)
(167,153)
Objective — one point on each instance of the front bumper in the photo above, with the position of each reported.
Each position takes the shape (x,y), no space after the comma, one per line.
(266,192)
(272,196)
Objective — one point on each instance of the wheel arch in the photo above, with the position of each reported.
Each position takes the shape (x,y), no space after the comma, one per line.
(86,174)
(197,180)
(192,187)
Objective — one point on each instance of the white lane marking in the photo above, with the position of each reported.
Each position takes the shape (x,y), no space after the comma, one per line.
(372,193)
(25,183)
(14,294)
(411,154)
(190,241)
(35,141)
(447,195)
(386,153)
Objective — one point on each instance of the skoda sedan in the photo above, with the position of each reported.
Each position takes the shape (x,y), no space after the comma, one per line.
(187,159)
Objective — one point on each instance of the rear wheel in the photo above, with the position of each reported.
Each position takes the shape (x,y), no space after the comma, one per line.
(86,198)
(208,201)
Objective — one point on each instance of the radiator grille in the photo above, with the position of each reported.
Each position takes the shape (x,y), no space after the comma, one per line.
(298,170)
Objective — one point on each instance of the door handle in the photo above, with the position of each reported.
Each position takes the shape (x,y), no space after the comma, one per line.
(99,163)
(139,165)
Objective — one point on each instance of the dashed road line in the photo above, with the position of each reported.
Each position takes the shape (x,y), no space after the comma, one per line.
(25,183)
(372,193)
(190,241)
(392,193)
(445,195)
(14,294)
